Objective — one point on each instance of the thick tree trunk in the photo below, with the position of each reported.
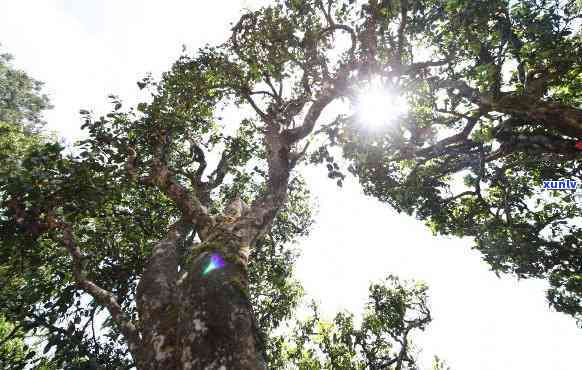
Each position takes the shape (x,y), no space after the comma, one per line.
(200,318)
(217,325)
(157,308)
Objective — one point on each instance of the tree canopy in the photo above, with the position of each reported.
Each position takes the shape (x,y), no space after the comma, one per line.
(21,106)
(485,130)
(382,341)
(22,101)
(178,223)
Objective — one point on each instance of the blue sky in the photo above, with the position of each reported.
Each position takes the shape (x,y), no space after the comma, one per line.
(86,50)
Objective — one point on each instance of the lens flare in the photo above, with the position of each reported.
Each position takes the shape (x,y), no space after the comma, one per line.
(377,106)
(216,262)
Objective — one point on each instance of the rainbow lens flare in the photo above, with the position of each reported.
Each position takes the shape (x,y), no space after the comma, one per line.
(216,262)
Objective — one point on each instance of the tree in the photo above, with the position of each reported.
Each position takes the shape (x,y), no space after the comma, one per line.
(117,219)
(21,99)
(21,105)
(13,351)
(51,308)
(395,310)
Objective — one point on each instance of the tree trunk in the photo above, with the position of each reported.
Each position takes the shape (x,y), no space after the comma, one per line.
(200,318)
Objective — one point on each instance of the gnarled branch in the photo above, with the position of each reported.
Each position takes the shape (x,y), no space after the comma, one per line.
(102,296)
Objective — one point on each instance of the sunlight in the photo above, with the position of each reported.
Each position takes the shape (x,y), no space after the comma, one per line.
(378,107)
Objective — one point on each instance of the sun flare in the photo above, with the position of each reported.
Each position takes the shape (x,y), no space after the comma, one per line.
(379,107)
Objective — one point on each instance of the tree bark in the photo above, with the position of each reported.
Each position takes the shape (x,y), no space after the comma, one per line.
(201,317)
(563,118)
(217,324)
(156,305)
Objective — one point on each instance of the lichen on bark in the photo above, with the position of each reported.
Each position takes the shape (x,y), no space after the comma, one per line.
(198,318)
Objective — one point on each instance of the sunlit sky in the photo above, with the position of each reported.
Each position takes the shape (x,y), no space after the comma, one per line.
(86,49)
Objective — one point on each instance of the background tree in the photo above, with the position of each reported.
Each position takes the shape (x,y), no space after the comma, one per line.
(382,341)
(143,219)
(21,106)
(21,99)
(13,351)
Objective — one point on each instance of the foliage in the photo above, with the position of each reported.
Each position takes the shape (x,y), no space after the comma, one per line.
(494,111)
(13,352)
(395,310)
(21,105)
(439,364)
(21,98)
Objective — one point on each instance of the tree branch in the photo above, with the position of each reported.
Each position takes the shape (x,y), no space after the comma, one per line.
(254,105)
(161,176)
(102,296)
(263,92)
(198,155)
(463,88)
(401,28)
(190,206)
(560,117)
(342,27)
(275,94)
(315,110)
(457,138)
(218,175)
(460,195)
(539,143)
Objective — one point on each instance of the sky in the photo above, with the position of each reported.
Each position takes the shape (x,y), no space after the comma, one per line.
(86,50)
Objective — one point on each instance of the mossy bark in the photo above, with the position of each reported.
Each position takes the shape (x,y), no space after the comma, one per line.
(201,317)
(157,308)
